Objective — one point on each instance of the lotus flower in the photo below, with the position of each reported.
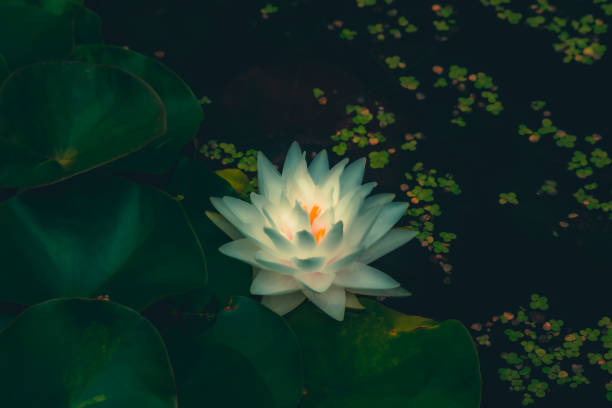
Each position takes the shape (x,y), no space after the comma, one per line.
(311,233)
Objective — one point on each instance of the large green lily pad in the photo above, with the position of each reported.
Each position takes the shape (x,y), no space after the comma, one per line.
(4,70)
(79,353)
(85,23)
(183,111)
(248,358)
(196,183)
(97,235)
(382,358)
(29,34)
(61,119)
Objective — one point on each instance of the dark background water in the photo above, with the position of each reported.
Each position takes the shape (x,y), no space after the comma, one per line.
(259,73)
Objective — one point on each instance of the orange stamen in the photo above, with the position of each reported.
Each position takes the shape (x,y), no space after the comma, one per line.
(314,213)
(319,235)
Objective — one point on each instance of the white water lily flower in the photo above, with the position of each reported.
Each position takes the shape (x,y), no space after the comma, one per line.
(311,233)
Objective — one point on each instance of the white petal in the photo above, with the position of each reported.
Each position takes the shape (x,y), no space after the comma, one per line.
(243,249)
(377,199)
(272,283)
(260,201)
(271,262)
(360,226)
(292,160)
(352,302)
(332,301)
(395,292)
(352,176)
(282,304)
(280,242)
(331,181)
(362,276)
(349,213)
(344,262)
(319,166)
(220,205)
(301,217)
(308,264)
(224,225)
(305,241)
(332,239)
(316,281)
(387,218)
(247,213)
(270,182)
(389,242)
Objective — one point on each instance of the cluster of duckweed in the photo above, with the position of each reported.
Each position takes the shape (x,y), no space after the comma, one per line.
(482,91)
(577,37)
(583,164)
(507,198)
(364,128)
(393,25)
(246,162)
(445,22)
(267,10)
(421,188)
(545,352)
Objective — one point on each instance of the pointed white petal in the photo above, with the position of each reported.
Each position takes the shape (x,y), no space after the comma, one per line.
(387,218)
(308,264)
(343,262)
(283,304)
(333,238)
(377,199)
(273,263)
(355,204)
(332,301)
(331,181)
(247,213)
(243,249)
(301,217)
(224,225)
(220,205)
(319,166)
(362,276)
(260,201)
(352,176)
(280,242)
(389,242)
(270,182)
(305,241)
(292,160)
(395,292)
(352,302)
(316,281)
(360,226)
(272,283)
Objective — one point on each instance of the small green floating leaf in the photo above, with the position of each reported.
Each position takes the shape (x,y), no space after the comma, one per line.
(94,235)
(71,353)
(183,110)
(62,119)
(386,359)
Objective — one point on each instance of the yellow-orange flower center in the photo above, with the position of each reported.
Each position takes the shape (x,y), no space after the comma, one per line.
(315,211)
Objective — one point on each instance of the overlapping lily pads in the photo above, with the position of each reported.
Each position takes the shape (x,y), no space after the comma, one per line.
(248,358)
(379,357)
(61,119)
(196,183)
(183,111)
(80,353)
(97,235)
(29,34)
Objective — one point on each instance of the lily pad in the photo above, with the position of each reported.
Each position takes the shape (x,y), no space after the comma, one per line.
(4,70)
(86,23)
(30,34)
(65,118)
(196,183)
(79,352)
(97,235)
(183,110)
(380,357)
(248,358)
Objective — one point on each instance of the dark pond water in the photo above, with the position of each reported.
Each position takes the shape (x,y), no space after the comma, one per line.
(259,74)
